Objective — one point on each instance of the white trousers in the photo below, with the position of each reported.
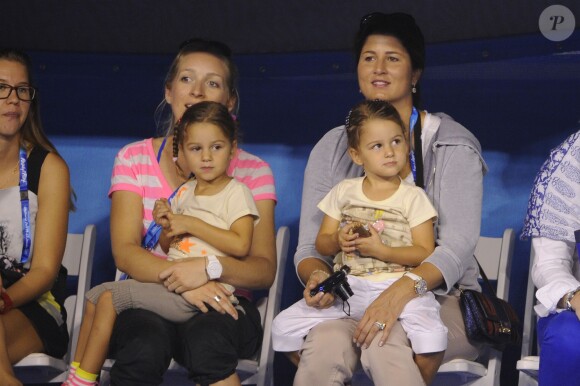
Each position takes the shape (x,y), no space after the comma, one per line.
(420,318)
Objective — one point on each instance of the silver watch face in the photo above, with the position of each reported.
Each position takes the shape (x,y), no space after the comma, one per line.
(420,287)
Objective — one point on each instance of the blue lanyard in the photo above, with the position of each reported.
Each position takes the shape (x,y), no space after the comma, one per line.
(412,123)
(151,238)
(25,207)
(161,150)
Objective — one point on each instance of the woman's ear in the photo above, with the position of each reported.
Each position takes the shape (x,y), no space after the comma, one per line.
(416,76)
(355,156)
(232,102)
(168,97)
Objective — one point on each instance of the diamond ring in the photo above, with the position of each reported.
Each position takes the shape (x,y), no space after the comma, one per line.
(217,298)
(380,326)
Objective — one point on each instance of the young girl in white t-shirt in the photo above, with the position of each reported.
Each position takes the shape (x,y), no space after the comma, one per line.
(379,226)
(216,207)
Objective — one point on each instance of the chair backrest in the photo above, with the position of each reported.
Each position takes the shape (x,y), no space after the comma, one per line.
(529,330)
(495,257)
(272,308)
(39,368)
(78,260)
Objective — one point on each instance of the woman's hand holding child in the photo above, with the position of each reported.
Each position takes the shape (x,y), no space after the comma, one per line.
(213,294)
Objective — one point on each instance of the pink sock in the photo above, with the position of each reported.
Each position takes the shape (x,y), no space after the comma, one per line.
(71,373)
(76,381)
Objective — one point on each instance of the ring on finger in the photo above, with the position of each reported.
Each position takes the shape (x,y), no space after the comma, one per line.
(381,326)
(217,298)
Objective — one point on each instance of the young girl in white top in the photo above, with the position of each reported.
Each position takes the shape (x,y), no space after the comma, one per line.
(224,214)
(379,226)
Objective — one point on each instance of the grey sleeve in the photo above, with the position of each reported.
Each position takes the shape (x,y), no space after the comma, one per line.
(458,194)
(328,164)
(317,183)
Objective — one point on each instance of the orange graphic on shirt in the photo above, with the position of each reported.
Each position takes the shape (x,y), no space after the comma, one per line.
(180,191)
(185,245)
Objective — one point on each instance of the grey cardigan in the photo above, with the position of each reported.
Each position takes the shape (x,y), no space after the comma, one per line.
(453,174)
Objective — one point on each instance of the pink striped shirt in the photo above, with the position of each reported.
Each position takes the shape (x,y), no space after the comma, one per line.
(136,170)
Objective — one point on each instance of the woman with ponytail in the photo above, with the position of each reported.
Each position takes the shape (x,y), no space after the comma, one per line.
(210,343)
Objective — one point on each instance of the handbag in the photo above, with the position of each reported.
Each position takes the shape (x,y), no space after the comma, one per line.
(489,319)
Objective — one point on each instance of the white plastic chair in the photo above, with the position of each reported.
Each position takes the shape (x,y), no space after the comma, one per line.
(529,364)
(259,369)
(495,256)
(78,259)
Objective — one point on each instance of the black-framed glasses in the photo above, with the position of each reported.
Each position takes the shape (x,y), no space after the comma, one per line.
(24,93)
(198,44)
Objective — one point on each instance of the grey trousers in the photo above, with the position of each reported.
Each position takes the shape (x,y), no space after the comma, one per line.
(149,296)
(329,357)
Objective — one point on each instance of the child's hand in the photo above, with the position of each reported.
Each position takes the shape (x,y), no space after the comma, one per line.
(178,224)
(161,210)
(370,246)
(346,241)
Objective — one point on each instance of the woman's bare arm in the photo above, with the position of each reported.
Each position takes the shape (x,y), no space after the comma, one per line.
(126,226)
(50,232)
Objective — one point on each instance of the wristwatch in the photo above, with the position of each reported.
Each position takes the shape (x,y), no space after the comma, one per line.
(213,268)
(420,283)
(569,297)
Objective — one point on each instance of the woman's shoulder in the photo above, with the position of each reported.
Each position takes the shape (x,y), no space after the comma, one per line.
(331,139)
(44,162)
(241,154)
(255,173)
(331,151)
(142,145)
(244,161)
(452,131)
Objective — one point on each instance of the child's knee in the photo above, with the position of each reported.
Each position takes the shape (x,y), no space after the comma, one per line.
(106,299)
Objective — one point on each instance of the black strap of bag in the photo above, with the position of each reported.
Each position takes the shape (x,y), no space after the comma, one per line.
(493,297)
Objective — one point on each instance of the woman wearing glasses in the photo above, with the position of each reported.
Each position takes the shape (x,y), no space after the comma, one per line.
(446,161)
(210,343)
(34,204)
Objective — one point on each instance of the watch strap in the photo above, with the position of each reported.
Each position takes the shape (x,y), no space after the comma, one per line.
(413,276)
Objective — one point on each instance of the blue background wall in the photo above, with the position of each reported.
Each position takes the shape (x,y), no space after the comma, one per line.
(520,96)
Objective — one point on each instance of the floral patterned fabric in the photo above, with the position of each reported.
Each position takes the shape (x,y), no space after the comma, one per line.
(554,205)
